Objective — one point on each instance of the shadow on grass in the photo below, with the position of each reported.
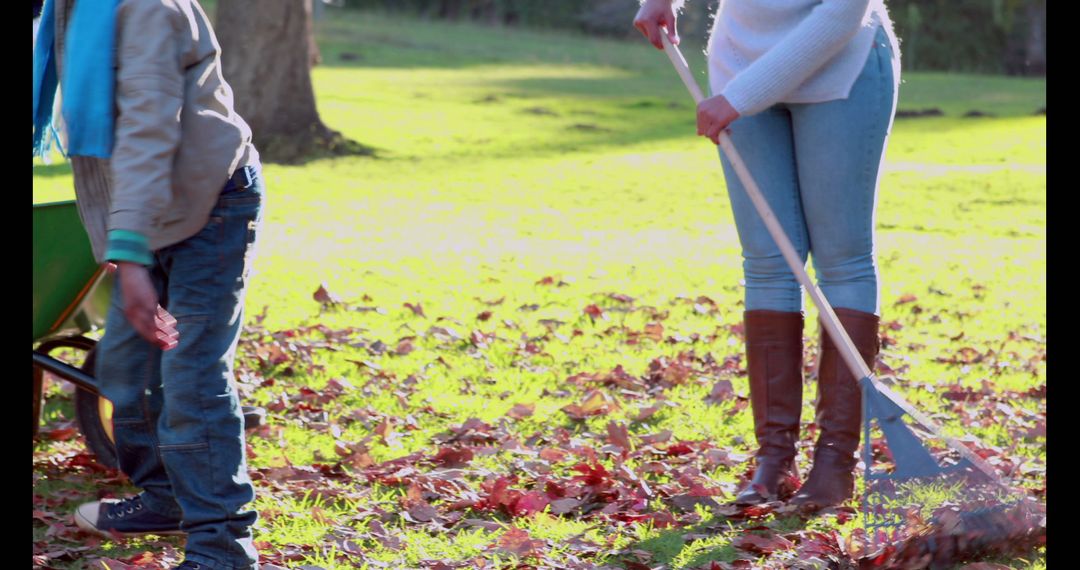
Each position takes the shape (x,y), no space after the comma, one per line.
(52,170)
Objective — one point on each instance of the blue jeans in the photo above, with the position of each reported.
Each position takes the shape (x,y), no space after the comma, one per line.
(818,166)
(178,424)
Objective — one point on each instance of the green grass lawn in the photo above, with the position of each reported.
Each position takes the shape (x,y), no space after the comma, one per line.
(505,157)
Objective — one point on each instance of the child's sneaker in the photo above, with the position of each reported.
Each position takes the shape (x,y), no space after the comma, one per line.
(127,517)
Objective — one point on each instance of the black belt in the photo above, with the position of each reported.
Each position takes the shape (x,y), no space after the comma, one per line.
(244,177)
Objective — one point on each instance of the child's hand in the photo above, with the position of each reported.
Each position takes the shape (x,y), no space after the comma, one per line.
(141,308)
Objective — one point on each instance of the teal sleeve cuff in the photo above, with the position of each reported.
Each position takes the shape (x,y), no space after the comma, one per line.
(125,245)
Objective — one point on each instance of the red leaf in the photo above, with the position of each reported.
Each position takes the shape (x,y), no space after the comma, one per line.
(686,502)
(563,506)
(717,457)
(594,312)
(325,297)
(423,512)
(909,298)
(669,372)
(481,339)
(619,436)
(762,544)
(654,438)
(645,413)
(360,459)
(654,331)
(518,541)
(818,544)
(529,503)
(404,347)
(483,316)
(452,458)
(844,514)
(662,519)
(62,434)
(499,492)
(521,411)
(680,448)
(721,391)
(595,403)
(145,557)
(417,309)
(551,454)
(593,475)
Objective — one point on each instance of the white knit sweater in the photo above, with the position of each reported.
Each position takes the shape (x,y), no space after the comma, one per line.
(763,52)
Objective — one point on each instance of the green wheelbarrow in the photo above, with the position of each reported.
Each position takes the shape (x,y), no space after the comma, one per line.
(71,297)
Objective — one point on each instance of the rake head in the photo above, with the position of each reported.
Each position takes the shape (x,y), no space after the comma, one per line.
(925,507)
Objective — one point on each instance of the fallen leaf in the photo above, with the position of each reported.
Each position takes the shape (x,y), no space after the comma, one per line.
(62,434)
(762,544)
(325,297)
(453,458)
(417,309)
(596,402)
(688,503)
(645,413)
(404,347)
(521,411)
(517,541)
(721,391)
(594,312)
(423,512)
(563,506)
(529,503)
(619,436)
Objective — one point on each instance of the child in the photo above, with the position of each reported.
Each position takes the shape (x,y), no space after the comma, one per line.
(169,189)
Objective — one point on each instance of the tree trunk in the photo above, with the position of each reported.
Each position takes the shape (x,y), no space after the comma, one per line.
(266,59)
(1035,48)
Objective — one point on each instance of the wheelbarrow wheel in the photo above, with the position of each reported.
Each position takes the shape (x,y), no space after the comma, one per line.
(94,414)
(79,343)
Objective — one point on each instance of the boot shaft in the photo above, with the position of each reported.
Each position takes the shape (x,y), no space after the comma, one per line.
(774,350)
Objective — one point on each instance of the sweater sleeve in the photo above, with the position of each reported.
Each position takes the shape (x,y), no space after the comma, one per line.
(821,35)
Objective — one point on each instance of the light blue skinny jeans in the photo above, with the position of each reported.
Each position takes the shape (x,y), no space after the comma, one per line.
(818,166)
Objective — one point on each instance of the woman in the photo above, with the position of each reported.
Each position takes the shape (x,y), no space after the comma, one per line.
(807,92)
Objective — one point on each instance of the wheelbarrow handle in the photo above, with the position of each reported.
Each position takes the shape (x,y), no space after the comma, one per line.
(832,324)
(66,371)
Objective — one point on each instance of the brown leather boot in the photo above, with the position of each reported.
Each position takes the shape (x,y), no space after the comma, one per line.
(774,362)
(839,415)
